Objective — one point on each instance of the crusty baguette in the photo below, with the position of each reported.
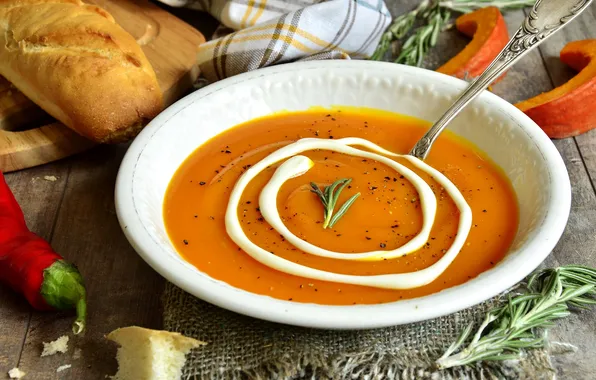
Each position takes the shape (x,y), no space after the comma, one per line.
(77,64)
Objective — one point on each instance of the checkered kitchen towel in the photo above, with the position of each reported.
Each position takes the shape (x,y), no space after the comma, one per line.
(269,32)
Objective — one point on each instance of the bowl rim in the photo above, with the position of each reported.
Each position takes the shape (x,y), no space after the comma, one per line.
(489,284)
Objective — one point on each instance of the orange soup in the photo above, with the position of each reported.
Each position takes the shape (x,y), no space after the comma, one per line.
(386,215)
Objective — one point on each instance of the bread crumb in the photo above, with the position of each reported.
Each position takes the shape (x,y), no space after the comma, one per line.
(16,373)
(51,178)
(59,345)
(150,354)
(63,367)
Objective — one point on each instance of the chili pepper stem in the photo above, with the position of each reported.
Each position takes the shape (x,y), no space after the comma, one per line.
(63,289)
(80,323)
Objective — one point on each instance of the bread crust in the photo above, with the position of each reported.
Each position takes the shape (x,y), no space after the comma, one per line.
(81,67)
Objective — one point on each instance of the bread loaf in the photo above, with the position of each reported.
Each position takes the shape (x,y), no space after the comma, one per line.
(77,64)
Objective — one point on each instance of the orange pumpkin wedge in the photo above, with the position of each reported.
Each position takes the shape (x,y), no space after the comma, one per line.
(568,110)
(489,35)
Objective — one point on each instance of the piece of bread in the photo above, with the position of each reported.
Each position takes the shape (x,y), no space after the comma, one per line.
(77,64)
(58,345)
(16,373)
(146,354)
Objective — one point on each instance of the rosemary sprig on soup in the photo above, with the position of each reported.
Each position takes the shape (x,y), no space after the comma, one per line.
(408,228)
(329,197)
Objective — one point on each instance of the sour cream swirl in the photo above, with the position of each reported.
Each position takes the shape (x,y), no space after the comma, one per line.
(296,165)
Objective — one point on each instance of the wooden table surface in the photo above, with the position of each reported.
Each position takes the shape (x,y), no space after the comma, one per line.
(76,214)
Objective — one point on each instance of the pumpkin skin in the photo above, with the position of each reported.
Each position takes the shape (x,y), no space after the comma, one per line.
(568,110)
(489,35)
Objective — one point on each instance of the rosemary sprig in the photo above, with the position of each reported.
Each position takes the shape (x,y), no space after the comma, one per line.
(433,16)
(401,26)
(520,323)
(329,197)
(425,37)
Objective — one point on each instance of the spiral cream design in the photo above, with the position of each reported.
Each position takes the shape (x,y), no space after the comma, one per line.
(296,165)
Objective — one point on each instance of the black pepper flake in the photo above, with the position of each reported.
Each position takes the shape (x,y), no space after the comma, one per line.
(248,202)
(367,238)
(373,187)
(289,299)
(401,177)
(483,210)
(387,178)
(196,216)
(330,137)
(202,183)
(212,218)
(382,245)
(227,152)
(185,242)
(395,226)
(258,209)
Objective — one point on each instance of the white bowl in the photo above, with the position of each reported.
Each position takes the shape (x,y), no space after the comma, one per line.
(511,139)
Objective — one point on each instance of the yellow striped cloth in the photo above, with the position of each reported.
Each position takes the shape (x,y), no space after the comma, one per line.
(268,32)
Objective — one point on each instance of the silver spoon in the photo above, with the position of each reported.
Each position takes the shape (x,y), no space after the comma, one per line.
(545,18)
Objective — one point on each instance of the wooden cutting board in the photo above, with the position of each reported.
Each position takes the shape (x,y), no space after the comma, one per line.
(170,46)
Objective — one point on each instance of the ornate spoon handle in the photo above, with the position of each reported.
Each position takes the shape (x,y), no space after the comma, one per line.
(546,18)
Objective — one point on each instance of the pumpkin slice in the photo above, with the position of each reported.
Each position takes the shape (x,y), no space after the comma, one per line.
(489,35)
(568,110)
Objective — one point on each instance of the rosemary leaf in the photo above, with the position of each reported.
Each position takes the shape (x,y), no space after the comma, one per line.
(424,37)
(343,209)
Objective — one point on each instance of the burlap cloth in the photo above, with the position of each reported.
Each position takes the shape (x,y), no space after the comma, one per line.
(241,347)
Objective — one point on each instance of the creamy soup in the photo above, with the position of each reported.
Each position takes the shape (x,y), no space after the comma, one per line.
(388,209)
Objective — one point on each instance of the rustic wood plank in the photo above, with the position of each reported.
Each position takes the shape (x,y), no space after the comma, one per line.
(578,242)
(587,146)
(40,201)
(576,247)
(581,28)
(122,289)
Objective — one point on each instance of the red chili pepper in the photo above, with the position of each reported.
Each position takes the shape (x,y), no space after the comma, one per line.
(30,266)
